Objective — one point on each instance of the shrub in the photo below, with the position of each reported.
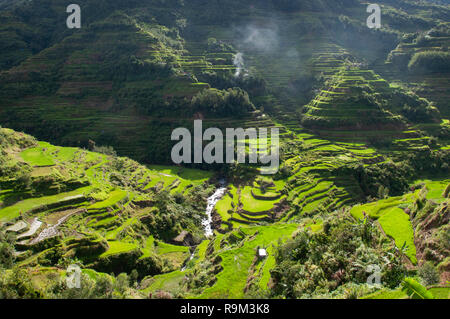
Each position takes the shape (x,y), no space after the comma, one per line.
(428,274)
(122,283)
(324,262)
(23,180)
(430,62)
(179,198)
(17,284)
(107,150)
(6,255)
(393,275)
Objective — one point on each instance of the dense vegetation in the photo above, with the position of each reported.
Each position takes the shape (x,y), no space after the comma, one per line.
(430,62)
(334,261)
(364,179)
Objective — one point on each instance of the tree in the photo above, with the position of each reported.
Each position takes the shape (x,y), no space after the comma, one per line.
(6,255)
(134,276)
(428,274)
(23,180)
(383,192)
(17,283)
(231,102)
(107,150)
(103,288)
(122,283)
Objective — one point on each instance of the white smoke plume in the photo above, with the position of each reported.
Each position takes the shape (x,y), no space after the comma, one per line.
(238,62)
(264,39)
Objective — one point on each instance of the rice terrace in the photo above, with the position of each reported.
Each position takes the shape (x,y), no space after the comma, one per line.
(119,178)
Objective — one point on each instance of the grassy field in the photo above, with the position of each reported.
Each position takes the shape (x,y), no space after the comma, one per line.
(165,282)
(387,294)
(435,188)
(379,208)
(252,205)
(117,247)
(114,198)
(38,156)
(236,262)
(438,293)
(26,205)
(396,224)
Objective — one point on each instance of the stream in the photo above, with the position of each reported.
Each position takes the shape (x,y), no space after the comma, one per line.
(211,203)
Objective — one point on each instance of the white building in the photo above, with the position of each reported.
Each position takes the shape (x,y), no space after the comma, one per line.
(262,253)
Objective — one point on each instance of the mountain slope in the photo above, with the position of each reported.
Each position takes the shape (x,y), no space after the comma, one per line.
(364,148)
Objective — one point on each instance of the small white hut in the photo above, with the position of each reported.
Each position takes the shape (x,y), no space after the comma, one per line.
(262,253)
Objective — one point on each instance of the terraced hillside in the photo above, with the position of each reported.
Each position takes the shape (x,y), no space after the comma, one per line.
(111,214)
(431,83)
(126,78)
(79,204)
(363,176)
(344,104)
